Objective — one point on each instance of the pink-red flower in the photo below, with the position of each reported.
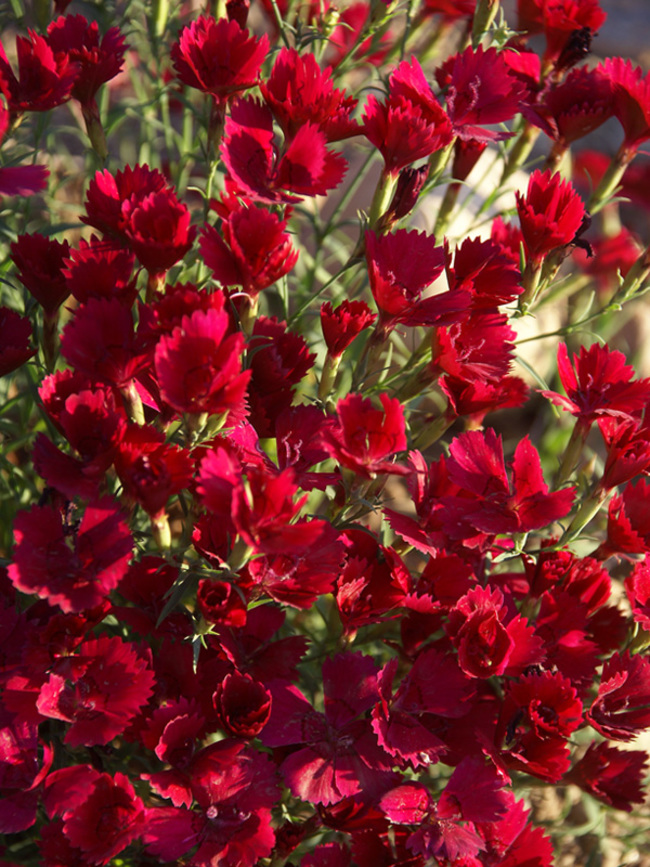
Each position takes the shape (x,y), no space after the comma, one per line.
(15,332)
(72,567)
(631,101)
(218,57)
(40,263)
(599,385)
(621,708)
(342,324)
(45,79)
(199,365)
(365,437)
(551,214)
(298,92)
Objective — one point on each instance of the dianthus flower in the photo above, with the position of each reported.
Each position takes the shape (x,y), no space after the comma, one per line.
(599,385)
(75,568)
(551,214)
(40,263)
(45,78)
(620,710)
(480,92)
(19,180)
(628,521)
(298,92)
(410,124)
(341,325)
(631,102)
(218,57)
(612,775)
(559,21)
(15,331)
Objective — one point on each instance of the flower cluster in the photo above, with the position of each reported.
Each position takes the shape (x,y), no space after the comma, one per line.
(299,566)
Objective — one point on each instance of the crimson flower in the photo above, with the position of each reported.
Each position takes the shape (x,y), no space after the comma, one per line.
(551,214)
(243,705)
(151,470)
(253,250)
(218,57)
(480,91)
(15,331)
(100,342)
(298,92)
(485,268)
(221,602)
(341,325)
(628,520)
(304,167)
(97,62)
(100,268)
(107,194)
(19,180)
(109,818)
(479,347)
(410,124)
(45,78)
(337,754)
(487,500)
(75,568)
(559,20)
(158,229)
(599,385)
(98,691)
(199,366)
(631,101)
(365,437)
(620,710)
(612,775)
(401,265)
(40,262)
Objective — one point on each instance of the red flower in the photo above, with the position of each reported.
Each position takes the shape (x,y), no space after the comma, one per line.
(480,91)
(621,708)
(199,366)
(101,343)
(107,194)
(97,62)
(45,79)
(254,252)
(221,603)
(75,568)
(550,214)
(599,385)
(15,331)
(108,819)
(410,124)
(479,347)
(628,520)
(243,705)
(487,269)
(100,269)
(366,437)
(158,229)
(151,470)
(631,101)
(401,266)
(19,180)
(98,691)
(559,20)
(40,263)
(342,325)
(612,775)
(490,502)
(298,92)
(218,57)
(305,166)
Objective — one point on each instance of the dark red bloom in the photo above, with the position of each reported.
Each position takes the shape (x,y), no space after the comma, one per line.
(304,166)
(40,262)
(487,269)
(599,385)
(44,80)
(21,772)
(151,470)
(222,603)
(96,61)
(612,775)
(100,342)
(218,57)
(98,691)
(158,229)
(199,365)
(343,324)
(491,503)
(628,520)
(75,568)
(551,213)
(298,92)
(15,331)
(100,269)
(559,20)
(401,266)
(107,194)
(631,101)
(243,705)
(19,180)
(108,819)
(253,249)
(621,708)
(338,755)
(481,91)
(410,124)
(366,437)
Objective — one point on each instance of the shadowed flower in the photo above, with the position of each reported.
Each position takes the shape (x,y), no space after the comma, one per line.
(551,214)
(45,78)
(15,331)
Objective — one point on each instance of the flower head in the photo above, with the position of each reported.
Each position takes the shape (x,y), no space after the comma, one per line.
(551,214)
